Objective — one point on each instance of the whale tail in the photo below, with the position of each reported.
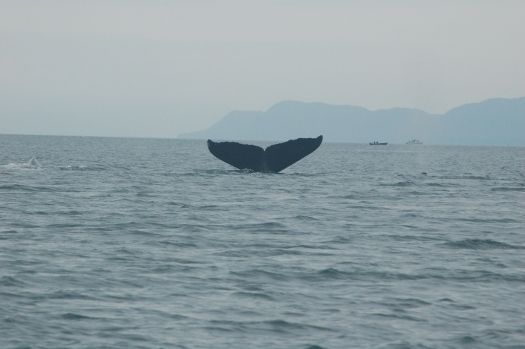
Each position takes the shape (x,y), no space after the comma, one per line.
(274,158)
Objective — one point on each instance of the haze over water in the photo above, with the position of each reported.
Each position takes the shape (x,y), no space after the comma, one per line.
(144,243)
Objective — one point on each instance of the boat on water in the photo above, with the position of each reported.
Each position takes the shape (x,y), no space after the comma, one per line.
(378,143)
(414,141)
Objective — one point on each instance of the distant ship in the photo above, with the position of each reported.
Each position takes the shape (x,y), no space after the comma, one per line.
(378,143)
(414,141)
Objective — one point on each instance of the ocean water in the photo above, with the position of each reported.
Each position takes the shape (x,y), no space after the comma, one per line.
(144,243)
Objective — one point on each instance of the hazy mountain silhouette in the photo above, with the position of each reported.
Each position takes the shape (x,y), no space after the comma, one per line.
(496,121)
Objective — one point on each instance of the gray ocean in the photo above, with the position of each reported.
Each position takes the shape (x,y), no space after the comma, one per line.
(151,243)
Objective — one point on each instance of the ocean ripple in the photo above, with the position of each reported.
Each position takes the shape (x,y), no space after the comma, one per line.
(482,244)
(144,243)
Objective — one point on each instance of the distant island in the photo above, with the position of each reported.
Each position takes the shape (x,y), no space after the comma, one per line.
(497,121)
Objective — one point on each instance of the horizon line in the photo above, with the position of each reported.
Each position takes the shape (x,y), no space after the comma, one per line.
(254,140)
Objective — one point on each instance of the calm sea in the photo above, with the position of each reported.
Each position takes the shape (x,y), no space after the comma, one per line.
(147,243)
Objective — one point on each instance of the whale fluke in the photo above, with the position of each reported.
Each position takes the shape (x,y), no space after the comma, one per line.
(275,158)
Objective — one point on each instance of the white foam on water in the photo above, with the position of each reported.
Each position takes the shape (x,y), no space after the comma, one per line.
(32,164)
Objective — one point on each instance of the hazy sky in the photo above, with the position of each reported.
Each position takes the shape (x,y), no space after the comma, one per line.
(160,68)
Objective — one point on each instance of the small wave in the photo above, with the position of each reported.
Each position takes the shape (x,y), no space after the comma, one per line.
(294,325)
(258,273)
(403,345)
(333,273)
(482,244)
(521,189)
(27,188)
(439,185)
(210,207)
(306,218)
(277,325)
(340,239)
(398,316)
(336,274)
(447,300)
(398,184)
(479,276)
(9,231)
(311,247)
(488,220)
(145,194)
(178,204)
(366,206)
(407,237)
(256,295)
(82,168)
(262,227)
(24,224)
(348,196)
(463,275)
(68,294)
(466,340)
(410,302)
(10,281)
(416,192)
(486,177)
(176,244)
(74,316)
(71,213)
(64,225)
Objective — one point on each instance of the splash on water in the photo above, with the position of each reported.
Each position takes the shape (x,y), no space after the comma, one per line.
(32,164)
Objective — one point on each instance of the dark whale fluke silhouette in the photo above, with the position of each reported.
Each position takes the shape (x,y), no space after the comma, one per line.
(274,158)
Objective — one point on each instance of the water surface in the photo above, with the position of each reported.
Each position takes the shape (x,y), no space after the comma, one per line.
(144,243)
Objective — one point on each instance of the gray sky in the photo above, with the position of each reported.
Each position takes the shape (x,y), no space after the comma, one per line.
(160,68)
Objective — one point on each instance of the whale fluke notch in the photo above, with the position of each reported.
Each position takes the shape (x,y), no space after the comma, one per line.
(275,158)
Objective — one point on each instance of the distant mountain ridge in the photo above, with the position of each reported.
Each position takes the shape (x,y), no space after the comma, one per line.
(497,121)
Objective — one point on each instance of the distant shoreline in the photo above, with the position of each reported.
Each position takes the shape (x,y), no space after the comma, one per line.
(496,121)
